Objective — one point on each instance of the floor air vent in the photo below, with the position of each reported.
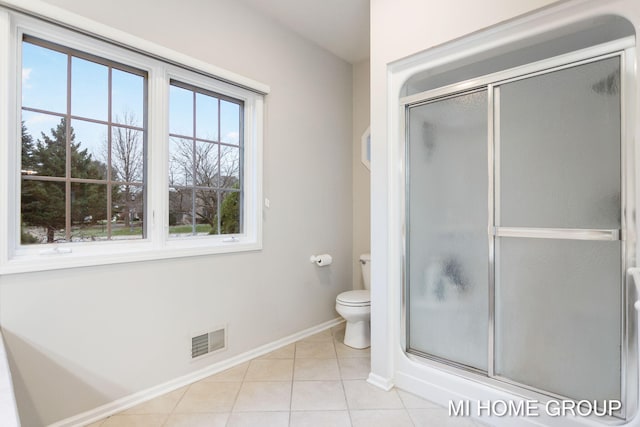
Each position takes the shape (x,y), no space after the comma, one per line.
(208,343)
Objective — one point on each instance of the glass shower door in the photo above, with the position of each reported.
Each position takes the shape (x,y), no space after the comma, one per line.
(558,289)
(447,241)
(515,246)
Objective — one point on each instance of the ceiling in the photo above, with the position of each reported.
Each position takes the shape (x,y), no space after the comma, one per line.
(339,26)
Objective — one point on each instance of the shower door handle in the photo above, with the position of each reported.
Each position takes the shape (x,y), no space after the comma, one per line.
(558,233)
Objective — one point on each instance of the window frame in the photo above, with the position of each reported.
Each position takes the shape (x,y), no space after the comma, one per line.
(161,65)
(252,165)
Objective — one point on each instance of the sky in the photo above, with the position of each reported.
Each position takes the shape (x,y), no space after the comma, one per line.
(44,87)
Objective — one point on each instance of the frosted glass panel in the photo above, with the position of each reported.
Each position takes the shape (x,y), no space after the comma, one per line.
(556,131)
(447,246)
(558,315)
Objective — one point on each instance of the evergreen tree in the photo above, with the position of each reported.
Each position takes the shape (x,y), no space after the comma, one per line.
(230,214)
(27,149)
(43,202)
(26,166)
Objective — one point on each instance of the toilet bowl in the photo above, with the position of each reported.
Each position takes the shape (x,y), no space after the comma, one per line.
(355,308)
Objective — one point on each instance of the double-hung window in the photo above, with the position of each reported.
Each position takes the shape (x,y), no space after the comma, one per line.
(117,154)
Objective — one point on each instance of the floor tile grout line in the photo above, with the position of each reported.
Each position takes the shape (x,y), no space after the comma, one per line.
(293,375)
(176,404)
(406,409)
(413,423)
(404,406)
(166,418)
(344,390)
(346,401)
(235,400)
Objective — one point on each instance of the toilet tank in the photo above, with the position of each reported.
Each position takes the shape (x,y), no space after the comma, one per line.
(365,263)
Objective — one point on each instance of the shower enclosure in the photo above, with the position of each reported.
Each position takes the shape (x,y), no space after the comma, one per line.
(516,238)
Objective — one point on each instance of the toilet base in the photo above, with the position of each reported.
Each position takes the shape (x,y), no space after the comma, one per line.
(358,334)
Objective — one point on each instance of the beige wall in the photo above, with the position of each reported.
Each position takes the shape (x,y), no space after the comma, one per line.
(361,175)
(84,337)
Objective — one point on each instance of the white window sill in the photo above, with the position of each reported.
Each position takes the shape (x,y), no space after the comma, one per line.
(63,256)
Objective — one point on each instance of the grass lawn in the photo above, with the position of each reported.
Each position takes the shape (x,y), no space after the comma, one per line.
(137,230)
(185,229)
(99,231)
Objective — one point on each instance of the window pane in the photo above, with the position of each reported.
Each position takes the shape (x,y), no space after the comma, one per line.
(229,122)
(127,103)
(39,123)
(127,154)
(230,213)
(206,164)
(43,155)
(229,167)
(180,162)
(127,214)
(180,111)
(44,78)
(49,150)
(206,213)
(88,212)
(180,211)
(89,89)
(206,117)
(42,211)
(89,150)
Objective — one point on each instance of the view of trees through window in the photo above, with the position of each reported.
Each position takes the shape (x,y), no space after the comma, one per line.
(83,162)
(204,162)
(83,138)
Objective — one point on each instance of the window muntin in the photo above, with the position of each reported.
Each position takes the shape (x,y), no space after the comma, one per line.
(82,163)
(205,162)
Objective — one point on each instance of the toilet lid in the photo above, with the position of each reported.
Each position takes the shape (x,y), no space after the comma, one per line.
(355,298)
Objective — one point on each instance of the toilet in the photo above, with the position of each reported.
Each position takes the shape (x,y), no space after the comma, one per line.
(355,308)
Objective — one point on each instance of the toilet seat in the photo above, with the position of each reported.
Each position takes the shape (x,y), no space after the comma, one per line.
(359,298)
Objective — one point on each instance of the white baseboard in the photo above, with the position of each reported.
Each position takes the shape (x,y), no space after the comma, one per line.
(134,399)
(381,382)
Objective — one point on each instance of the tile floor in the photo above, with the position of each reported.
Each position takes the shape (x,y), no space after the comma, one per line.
(317,381)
